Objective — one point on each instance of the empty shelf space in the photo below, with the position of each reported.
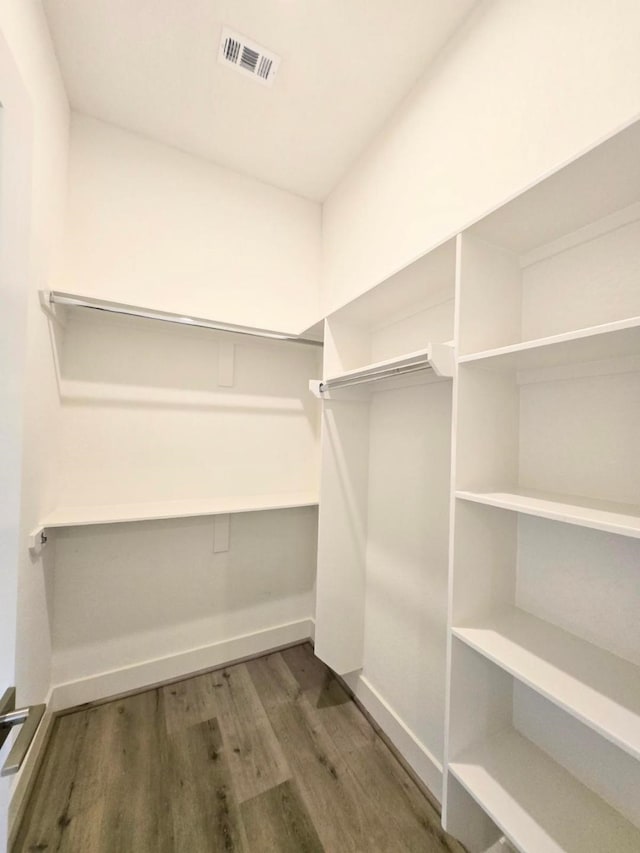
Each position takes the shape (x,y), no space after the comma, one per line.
(595,686)
(620,339)
(116,513)
(437,358)
(540,806)
(623,519)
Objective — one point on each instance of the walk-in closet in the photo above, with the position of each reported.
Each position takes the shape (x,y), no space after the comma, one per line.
(320,458)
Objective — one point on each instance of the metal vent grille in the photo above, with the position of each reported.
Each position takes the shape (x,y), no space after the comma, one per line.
(247,57)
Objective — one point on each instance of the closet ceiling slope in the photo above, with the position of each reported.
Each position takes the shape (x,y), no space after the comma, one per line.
(544,637)
(153,69)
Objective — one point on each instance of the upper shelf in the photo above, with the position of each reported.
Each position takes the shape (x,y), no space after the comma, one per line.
(611,517)
(436,359)
(117,513)
(597,184)
(419,285)
(619,339)
(49,298)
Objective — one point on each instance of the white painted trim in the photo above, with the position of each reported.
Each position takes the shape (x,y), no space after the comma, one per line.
(312,629)
(147,673)
(420,759)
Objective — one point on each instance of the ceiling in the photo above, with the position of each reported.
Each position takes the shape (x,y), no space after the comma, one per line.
(150,66)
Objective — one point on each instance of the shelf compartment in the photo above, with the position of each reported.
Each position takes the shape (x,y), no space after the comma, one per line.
(436,359)
(118,513)
(539,805)
(620,339)
(623,519)
(593,685)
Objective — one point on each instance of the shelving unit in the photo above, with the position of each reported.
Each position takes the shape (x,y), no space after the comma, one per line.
(176,393)
(395,319)
(205,432)
(384,494)
(543,709)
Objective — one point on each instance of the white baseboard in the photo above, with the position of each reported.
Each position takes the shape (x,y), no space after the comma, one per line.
(22,781)
(147,673)
(424,764)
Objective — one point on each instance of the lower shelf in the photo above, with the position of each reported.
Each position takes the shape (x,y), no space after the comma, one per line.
(623,519)
(540,806)
(117,513)
(595,686)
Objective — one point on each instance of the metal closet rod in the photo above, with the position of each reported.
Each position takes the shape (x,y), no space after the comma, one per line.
(376,375)
(58,298)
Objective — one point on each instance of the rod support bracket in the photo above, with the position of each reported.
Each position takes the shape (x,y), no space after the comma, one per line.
(314,387)
(47,305)
(38,538)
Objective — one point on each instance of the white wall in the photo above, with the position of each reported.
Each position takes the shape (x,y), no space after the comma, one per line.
(523,87)
(16,138)
(152,226)
(25,29)
(407,557)
(127,594)
(146,417)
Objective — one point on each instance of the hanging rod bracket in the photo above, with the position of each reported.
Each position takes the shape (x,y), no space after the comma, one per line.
(315,386)
(443,360)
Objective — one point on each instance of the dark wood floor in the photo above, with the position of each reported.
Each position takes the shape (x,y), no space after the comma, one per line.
(269,755)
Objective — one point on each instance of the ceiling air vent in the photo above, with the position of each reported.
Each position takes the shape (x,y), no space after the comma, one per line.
(248,57)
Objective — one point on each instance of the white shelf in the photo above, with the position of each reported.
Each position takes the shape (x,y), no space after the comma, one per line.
(597,343)
(623,519)
(49,298)
(422,284)
(595,686)
(539,806)
(435,361)
(116,513)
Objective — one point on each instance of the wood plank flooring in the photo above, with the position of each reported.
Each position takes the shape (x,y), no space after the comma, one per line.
(269,756)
